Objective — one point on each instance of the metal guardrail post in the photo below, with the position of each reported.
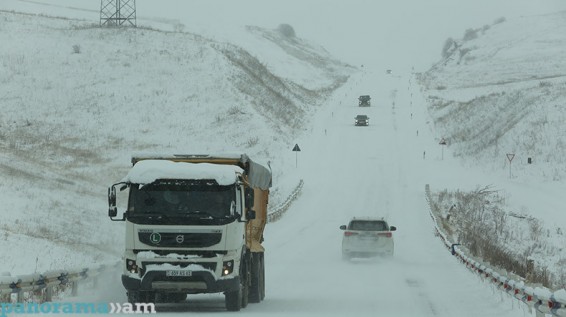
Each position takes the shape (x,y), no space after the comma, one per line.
(17,289)
(49,294)
(19,296)
(74,288)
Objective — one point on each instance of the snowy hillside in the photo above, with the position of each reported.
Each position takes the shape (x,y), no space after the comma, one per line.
(77,100)
(499,90)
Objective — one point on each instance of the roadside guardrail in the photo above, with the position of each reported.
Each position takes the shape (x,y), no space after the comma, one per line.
(542,300)
(281,209)
(45,286)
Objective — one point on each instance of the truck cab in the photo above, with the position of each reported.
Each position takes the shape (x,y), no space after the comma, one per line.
(194,225)
(364,101)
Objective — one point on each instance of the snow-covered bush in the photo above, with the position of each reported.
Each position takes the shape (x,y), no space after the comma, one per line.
(286,30)
(499,20)
(470,34)
(448,48)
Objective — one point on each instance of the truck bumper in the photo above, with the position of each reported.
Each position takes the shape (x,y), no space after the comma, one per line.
(199,282)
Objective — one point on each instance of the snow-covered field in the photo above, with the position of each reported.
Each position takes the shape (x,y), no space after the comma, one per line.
(78,100)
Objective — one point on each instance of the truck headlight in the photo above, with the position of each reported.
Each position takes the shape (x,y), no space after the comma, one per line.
(131,266)
(227,267)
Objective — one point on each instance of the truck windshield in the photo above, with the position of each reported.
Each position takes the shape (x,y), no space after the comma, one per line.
(181,198)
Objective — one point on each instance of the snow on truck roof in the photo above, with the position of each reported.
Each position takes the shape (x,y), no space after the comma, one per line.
(147,171)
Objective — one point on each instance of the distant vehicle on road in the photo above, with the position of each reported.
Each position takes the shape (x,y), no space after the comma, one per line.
(367,237)
(364,101)
(361,119)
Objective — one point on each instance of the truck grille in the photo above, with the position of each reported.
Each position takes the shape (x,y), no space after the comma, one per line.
(180,240)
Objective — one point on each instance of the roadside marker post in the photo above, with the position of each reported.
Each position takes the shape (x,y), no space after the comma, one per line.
(442,144)
(296,149)
(510,157)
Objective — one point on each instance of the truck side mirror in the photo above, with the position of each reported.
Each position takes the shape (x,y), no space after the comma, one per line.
(112,210)
(249,197)
(250,215)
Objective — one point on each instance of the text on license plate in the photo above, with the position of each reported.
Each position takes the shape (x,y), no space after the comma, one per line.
(177,273)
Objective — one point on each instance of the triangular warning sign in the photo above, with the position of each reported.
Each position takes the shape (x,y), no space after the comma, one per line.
(296,148)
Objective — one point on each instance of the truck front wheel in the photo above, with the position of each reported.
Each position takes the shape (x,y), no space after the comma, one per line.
(262,274)
(234,299)
(257,287)
(246,281)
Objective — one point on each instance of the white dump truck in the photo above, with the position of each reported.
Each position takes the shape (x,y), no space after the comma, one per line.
(194,224)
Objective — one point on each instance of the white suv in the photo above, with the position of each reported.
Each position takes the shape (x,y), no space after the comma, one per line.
(367,237)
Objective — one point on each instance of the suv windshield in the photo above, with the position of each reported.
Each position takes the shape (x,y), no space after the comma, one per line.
(364,225)
(174,198)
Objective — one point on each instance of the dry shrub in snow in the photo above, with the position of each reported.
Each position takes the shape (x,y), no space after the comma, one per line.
(477,220)
(470,34)
(76,49)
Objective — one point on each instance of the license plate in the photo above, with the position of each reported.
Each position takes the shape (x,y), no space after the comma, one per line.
(177,273)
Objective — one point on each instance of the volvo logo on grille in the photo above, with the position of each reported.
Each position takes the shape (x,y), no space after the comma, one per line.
(180,238)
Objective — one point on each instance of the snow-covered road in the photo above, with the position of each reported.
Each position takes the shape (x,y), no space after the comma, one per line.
(377,171)
(349,171)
